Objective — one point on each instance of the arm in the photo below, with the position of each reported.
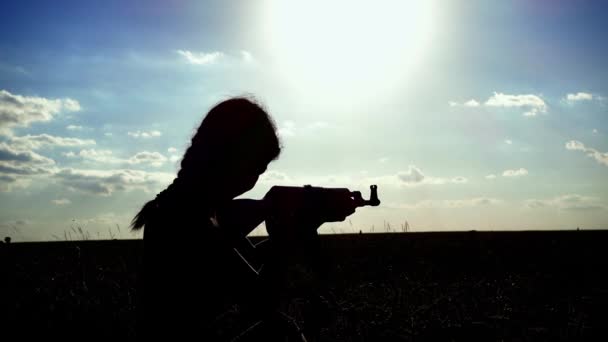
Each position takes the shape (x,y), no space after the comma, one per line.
(241,216)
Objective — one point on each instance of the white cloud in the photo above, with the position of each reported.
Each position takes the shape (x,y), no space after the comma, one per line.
(600,157)
(201,58)
(174,155)
(8,154)
(100,156)
(74,128)
(575,145)
(17,167)
(413,176)
(140,134)
(566,202)
(508,142)
(61,201)
(208,58)
(580,96)
(24,168)
(152,158)
(18,161)
(108,134)
(71,105)
(106,156)
(515,173)
(383,160)
(491,176)
(35,142)
(470,103)
(594,131)
(21,111)
(106,182)
(532,103)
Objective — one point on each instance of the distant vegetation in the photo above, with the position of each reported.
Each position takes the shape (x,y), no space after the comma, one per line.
(426,286)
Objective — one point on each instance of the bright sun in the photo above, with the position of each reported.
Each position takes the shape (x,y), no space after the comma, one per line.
(347,49)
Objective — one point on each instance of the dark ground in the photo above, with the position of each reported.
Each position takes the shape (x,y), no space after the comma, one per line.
(491,286)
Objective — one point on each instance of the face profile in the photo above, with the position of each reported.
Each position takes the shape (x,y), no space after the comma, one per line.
(242,178)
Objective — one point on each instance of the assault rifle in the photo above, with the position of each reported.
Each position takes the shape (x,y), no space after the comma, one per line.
(289,209)
(310,206)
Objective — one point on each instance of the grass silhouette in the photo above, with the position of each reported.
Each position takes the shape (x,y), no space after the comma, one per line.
(394,286)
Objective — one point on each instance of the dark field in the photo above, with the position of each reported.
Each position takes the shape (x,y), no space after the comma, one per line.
(512,286)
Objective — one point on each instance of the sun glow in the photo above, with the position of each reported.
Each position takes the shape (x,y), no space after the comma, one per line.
(342,50)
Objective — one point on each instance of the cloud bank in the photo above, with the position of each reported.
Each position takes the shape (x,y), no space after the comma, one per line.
(566,202)
(106,182)
(35,142)
(154,159)
(21,111)
(450,204)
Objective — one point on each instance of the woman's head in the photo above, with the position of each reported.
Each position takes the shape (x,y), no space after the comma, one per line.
(231,148)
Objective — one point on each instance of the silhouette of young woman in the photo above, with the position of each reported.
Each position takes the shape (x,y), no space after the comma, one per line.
(191,270)
(194,269)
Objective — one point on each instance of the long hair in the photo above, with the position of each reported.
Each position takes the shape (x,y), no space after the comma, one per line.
(233,129)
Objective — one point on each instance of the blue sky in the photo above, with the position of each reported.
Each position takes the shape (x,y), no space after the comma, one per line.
(467,114)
